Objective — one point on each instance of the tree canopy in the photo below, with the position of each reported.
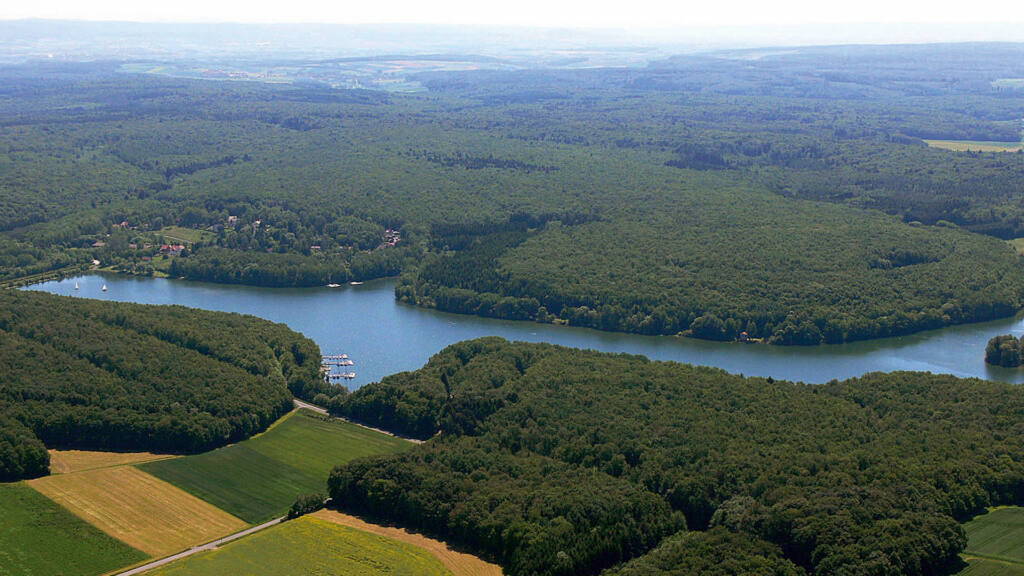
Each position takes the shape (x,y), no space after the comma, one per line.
(559,461)
(97,375)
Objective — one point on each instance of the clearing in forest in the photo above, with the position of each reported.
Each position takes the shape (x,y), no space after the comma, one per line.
(69,461)
(39,537)
(138,509)
(974,146)
(259,478)
(310,545)
(459,563)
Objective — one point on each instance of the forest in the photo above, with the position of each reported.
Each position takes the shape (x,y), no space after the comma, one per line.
(727,196)
(1006,350)
(551,460)
(97,375)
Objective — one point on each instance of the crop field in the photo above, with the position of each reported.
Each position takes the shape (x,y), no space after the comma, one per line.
(37,537)
(976,146)
(69,461)
(1018,245)
(459,563)
(988,567)
(310,546)
(258,479)
(998,535)
(138,509)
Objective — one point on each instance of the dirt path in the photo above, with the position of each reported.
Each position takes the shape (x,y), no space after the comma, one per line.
(319,410)
(459,563)
(209,546)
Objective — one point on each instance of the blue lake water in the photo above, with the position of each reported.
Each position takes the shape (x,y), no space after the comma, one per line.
(383,336)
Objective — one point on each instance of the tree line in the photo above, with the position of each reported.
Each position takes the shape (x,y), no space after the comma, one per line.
(558,461)
(111,376)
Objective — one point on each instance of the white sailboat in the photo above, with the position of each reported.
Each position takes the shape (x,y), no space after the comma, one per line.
(104,288)
(76,285)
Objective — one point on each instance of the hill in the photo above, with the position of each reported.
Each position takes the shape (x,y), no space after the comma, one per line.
(86,374)
(559,461)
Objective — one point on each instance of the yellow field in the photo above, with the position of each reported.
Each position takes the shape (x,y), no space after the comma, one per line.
(1018,245)
(138,509)
(460,564)
(967,145)
(69,461)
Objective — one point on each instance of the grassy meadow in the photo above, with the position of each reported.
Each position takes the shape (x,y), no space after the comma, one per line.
(975,146)
(38,537)
(310,546)
(258,479)
(138,509)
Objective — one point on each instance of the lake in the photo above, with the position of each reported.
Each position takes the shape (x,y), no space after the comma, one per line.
(384,336)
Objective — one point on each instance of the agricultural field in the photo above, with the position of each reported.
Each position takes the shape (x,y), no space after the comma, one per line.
(258,479)
(39,537)
(138,509)
(183,235)
(310,545)
(70,461)
(972,146)
(995,543)
(1018,245)
(459,563)
(988,567)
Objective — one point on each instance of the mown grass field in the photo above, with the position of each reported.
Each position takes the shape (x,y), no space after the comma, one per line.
(1018,245)
(138,509)
(258,479)
(310,546)
(69,461)
(182,235)
(461,564)
(976,146)
(995,543)
(38,537)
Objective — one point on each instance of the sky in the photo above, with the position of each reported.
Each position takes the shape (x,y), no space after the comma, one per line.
(621,14)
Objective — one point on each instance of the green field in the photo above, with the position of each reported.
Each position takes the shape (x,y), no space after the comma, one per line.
(998,535)
(258,479)
(987,567)
(39,537)
(183,235)
(995,543)
(310,546)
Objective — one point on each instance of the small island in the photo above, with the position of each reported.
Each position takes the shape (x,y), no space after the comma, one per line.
(1006,350)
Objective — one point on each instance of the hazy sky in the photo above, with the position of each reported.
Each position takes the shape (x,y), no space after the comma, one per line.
(630,14)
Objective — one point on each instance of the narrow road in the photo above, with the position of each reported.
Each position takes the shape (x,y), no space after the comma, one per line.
(315,408)
(209,546)
(218,543)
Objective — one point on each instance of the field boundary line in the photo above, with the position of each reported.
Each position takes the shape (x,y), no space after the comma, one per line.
(969,555)
(213,545)
(303,404)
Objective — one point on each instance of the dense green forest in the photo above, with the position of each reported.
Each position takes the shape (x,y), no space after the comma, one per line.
(777,195)
(96,375)
(559,461)
(1006,350)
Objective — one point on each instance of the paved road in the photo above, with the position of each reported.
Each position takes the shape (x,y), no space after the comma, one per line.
(315,408)
(210,546)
